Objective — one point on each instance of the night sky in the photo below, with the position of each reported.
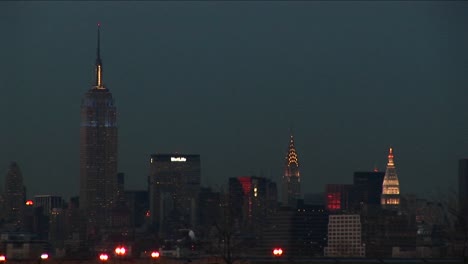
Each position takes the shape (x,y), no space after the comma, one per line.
(227,80)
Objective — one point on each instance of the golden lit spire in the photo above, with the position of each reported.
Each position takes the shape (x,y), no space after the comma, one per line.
(292,154)
(99,84)
(390,158)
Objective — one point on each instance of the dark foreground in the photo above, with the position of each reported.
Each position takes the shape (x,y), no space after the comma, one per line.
(214,260)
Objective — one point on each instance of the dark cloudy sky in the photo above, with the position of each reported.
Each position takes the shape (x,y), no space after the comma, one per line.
(227,80)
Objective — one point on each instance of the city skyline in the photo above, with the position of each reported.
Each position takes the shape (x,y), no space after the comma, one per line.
(228,80)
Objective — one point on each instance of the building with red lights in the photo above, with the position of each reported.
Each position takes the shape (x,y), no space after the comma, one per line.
(251,200)
(337,197)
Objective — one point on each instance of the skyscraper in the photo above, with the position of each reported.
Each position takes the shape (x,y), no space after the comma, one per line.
(291,178)
(174,185)
(98,150)
(15,195)
(390,198)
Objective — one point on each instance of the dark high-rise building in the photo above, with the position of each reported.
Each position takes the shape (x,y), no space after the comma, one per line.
(291,178)
(98,151)
(138,203)
(367,187)
(174,184)
(463,185)
(15,195)
(390,198)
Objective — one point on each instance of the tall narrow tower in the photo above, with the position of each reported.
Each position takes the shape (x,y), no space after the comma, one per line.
(291,178)
(15,195)
(98,150)
(390,198)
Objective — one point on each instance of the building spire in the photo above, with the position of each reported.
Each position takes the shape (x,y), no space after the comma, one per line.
(292,154)
(390,158)
(98,83)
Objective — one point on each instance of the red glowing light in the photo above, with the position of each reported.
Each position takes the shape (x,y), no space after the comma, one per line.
(155,254)
(120,250)
(277,252)
(29,202)
(2,258)
(103,257)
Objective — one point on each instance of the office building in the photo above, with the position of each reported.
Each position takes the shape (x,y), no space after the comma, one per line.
(174,184)
(15,195)
(344,236)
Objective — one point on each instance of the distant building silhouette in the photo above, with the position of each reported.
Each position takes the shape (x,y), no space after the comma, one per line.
(463,185)
(367,189)
(15,195)
(291,185)
(174,184)
(390,198)
(48,202)
(98,151)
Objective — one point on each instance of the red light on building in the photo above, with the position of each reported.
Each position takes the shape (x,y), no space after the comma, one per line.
(29,202)
(246,183)
(155,254)
(334,201)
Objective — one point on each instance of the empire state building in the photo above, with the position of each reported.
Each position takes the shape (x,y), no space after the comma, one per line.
(98,150)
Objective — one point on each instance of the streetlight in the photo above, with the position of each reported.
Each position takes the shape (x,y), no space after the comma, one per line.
(120,252)
(103,257)
(155,254)
(44,256)
(277,252)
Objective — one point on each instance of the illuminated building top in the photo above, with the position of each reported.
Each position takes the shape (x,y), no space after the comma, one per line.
(292,162)
(390,186)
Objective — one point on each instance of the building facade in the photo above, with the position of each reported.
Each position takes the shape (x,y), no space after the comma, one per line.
(344,237)
(390,198)
(174,184)
(98,151)
(48,202)
(291,185)
(252,199)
